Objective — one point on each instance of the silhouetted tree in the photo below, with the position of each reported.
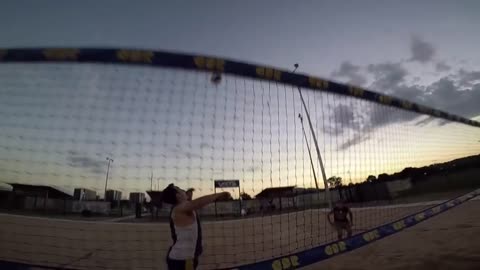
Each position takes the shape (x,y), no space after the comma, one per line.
(371,178)
(334,181)
(245,196)
(383,177)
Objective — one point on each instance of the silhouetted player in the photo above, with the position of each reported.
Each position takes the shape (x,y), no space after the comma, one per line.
(342,219)
(185,226)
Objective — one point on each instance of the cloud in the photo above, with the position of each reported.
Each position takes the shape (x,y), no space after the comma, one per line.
(358,138)
(387,75)
(343,117)
(77,160)
(188,154)
(467,78)
(457,93)
(421,50)
(451,96)
(442,67)
(351,72)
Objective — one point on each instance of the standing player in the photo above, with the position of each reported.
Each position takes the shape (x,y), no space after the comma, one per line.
(342,219)
(185,226)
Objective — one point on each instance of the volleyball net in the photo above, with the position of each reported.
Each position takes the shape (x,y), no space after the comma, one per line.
(87,133)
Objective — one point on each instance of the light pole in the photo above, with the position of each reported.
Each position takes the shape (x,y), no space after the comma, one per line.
(322,168)
(309,153)
(106,178)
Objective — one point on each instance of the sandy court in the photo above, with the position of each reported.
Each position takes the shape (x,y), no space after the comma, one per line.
(450,240)
(103,245)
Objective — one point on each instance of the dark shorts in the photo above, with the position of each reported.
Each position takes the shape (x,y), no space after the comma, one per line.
(182,264)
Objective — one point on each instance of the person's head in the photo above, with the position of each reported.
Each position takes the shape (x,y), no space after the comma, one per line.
(174,195)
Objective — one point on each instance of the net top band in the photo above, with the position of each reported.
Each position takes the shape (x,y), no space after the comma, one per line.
(213,64)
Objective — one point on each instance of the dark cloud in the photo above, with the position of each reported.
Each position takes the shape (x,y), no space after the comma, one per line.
(425,121)
(442,67)
(344,117)
(358,138)
(421,50)
(387,75)
(448,95)
(188,154)
(76,160)
(457,93)
(468,78)
(351,72)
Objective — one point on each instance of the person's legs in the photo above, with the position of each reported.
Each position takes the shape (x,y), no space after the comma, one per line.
(348,228)
(339,229)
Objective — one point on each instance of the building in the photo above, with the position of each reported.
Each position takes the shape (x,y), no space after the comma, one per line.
(276,192)
(136,197)
(113,195)
(38,197)
(83,194)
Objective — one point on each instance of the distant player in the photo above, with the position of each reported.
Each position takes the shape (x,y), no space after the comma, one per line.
(342,219)
(185,226)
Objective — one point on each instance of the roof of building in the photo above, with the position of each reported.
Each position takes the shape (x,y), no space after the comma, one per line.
(39,190)
(277,192)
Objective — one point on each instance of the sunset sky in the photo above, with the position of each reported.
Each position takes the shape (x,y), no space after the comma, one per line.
(60,121)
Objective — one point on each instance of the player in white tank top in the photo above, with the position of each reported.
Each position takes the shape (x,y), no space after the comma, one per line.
(185,246)
(185,227)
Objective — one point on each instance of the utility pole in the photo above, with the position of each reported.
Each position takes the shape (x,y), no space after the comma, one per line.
(106,178)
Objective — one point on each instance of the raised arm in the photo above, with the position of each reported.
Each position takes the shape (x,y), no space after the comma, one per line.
(198,203)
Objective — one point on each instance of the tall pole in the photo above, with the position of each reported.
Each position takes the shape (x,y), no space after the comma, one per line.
(106,178)
(151,181)
(322,168)
(309,152)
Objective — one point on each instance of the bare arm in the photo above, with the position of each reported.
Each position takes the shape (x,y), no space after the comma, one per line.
(198,203)
(329,217)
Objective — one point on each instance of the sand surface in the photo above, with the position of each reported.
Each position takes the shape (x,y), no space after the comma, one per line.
(450,240)
(101,245)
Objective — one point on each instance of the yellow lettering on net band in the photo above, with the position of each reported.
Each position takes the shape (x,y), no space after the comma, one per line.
(135,56)
(385,99)
(61,54)
(406,105)
(284,263)
(269,73)
(399,225)
(419,217)
(356,91)
(335,248)
(317,83)
(436,209)
(209,63)
(370,236)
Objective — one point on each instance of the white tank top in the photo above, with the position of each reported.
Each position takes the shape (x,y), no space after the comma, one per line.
(187,236)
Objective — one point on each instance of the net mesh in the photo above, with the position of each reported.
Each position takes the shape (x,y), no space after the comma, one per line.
(60,121)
